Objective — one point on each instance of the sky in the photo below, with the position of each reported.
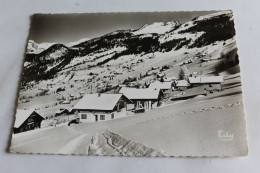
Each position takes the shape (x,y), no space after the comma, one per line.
(64,28)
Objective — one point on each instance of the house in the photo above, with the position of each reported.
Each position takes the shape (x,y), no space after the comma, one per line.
(206,79)
(164,86)
(142,98)
(169,79)
(205,60)
(27,120)
(100,107)
(212,79)
(66,102)
(132,84)
(160,75)
(213,82)
(81,93)
(63,111)
(200,80)
(181,84)
(194,74)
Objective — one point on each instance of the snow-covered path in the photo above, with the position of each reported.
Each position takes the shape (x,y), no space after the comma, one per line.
(60,140)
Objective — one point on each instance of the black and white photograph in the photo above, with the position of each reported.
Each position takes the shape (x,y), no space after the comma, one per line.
(153,84)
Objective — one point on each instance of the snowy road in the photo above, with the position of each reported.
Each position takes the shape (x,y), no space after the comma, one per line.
(60,140)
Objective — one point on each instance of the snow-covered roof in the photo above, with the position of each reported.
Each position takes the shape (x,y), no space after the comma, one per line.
(206,79)
(182,83)
(168,79)
(194,79)
(22,115)
(139,94)
(98,101)
(160,74)
(63,111)
(59,112)
(212,79)
(160,85)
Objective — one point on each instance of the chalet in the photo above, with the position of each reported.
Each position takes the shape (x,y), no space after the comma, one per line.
(164,86)
(206,80)
(63,111)
(186,62)
(66,102)
(81,93)
(160,75)
(194,74)
(132,84)
(213,82)
(100,107)
(149,73)
(142,98)
(27,120)
(181,84)
(205,60)
(169,79)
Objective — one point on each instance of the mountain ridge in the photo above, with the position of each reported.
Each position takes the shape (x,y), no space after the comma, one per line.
(156,37)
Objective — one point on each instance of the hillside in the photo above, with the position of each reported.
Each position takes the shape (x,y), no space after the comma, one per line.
(63,72)
(156,37)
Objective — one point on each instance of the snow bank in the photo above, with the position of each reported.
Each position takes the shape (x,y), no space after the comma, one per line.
(109,143)
(94,147)
(72,145)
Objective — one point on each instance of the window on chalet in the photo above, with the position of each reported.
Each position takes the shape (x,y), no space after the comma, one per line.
(83,116)
(30,120)
(102,117)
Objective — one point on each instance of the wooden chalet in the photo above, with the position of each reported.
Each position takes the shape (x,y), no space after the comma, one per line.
(142,98)
(27,120)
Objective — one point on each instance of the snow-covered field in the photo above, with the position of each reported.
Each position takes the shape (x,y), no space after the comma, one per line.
(195,122)
(80,77)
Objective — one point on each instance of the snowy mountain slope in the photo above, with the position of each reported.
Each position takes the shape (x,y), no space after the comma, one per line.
(227,13)
(157,37)
(36,48)
(158,28)
(94,59)
(71,44)
(204,30)
(48,62)
(216,27)
(33,47)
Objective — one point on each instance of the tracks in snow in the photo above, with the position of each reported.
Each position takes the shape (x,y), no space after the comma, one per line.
(72,145)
